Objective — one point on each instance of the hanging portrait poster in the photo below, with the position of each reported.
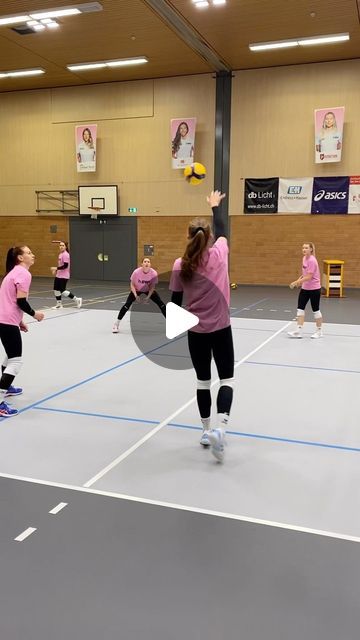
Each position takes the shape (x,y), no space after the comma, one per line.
(85,141)
(295,195)
(329,124)
(182,141)
(330,195)
(261,195)
(354,195)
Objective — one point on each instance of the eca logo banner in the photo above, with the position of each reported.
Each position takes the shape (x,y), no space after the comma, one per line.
(330,195)
(295,195)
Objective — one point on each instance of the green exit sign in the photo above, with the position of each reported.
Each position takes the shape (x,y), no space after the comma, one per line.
(132,209)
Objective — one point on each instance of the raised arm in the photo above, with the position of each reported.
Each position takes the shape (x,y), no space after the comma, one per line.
(219,227)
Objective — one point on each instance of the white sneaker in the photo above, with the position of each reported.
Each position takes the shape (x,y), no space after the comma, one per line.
(317,334)
(58,306)
(205,440)
(217,441)
(294,334)
(78,302)
(115,328)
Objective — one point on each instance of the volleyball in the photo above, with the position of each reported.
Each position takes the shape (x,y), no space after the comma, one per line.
(233,285)
(195,173)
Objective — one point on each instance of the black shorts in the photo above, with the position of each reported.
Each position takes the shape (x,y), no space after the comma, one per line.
(10,337)
(309,294)
(60,284)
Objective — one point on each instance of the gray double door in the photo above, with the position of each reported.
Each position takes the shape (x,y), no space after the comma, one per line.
(103,249)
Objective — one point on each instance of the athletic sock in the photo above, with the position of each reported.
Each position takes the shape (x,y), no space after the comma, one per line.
(206,423)
(222,421)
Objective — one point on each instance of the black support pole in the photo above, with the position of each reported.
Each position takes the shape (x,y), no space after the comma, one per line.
(222,138)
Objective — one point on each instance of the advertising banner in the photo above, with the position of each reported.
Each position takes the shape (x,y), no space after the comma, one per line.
(182,142)
(85,140)
(261,195)
(354,195)
(330,195)
(329,125)
(295,195)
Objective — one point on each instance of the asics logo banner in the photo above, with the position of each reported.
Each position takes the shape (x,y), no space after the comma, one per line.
(330,195)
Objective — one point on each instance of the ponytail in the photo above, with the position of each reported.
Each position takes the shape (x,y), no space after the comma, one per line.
(12,257)
(199,235)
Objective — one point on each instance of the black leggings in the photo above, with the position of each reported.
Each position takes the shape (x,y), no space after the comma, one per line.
(309,294)
(202,347)
(10,337)
(154,297)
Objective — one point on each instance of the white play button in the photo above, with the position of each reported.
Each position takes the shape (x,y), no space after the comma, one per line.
(178,320)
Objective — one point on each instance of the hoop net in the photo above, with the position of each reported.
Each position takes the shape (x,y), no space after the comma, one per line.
(94,212)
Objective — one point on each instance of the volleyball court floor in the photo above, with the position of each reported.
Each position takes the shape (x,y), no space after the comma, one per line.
(150,536)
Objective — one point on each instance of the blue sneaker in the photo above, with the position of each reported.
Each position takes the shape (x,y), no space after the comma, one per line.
(6,411)
(13,391)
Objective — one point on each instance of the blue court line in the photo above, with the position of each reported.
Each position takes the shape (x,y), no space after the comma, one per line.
(242,434)
(300,366)
(94,377)
(102,373)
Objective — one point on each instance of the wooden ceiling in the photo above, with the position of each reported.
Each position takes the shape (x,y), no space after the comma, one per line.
(127,28)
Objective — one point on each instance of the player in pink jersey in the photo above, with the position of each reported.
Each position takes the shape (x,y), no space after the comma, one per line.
(14,292)
(309,281)
(142,282)
(62,275)
(202,275)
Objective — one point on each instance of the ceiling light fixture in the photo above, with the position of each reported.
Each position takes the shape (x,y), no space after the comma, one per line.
(122,62)
(56,12)
(45,22)
(339,37)
(206,3)
(21,72)
(298,42)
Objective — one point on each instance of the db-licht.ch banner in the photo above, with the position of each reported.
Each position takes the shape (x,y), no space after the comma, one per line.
(261,195)
(329,195)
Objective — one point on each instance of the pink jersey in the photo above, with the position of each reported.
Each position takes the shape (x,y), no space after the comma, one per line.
(18,279)
(207,295)
(63,273)
(142,281)
(310,265)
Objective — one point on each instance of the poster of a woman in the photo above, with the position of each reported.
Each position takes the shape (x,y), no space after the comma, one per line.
(182,142)
(85,140)
(329,134)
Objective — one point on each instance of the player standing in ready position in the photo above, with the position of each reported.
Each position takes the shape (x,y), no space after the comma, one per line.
(142,282)
(14,292)
(310,285)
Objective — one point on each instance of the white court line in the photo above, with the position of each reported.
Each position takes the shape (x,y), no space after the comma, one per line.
(99,299)
(181,507)
(170,418)
(25,534)
(58,508)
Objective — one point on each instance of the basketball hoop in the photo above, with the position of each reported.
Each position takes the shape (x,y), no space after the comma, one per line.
(94,212)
